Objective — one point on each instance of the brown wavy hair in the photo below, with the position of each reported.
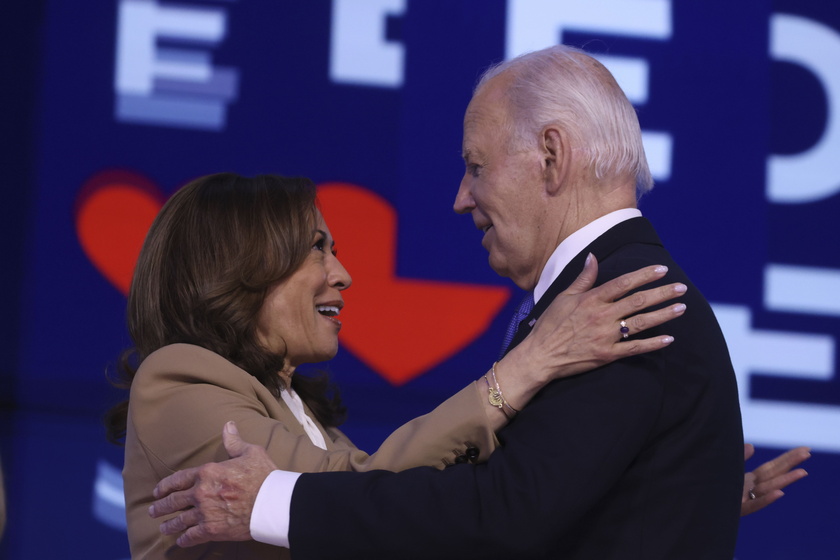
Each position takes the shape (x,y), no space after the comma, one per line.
(216,247)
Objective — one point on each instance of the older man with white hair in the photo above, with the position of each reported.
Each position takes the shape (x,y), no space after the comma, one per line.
(642,458)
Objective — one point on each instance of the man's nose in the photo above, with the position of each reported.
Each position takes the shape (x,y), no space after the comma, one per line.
(464,202)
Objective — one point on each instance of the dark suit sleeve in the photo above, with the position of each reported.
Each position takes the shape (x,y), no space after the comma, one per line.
(561,455)
(638,459)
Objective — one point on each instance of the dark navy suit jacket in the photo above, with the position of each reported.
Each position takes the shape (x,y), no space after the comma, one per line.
(640,459)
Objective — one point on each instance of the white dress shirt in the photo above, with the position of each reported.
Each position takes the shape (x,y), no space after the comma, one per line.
(294,403)
(270,516)
(269,526)
(576,243)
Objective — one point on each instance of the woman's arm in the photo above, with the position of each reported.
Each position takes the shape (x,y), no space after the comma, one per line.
(193,392)
(577,333)
(184,394)
(580,331)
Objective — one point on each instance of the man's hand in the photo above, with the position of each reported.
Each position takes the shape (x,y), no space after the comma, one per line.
(214,500)
(763,486)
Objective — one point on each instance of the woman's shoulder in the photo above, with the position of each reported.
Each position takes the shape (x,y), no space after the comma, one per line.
(189,363)
(185,352)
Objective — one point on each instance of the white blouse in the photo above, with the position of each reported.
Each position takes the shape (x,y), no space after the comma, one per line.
(294,403)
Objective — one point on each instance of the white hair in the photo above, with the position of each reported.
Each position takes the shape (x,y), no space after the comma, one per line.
(564,86)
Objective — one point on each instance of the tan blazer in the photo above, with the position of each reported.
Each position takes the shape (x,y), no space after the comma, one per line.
(181,397)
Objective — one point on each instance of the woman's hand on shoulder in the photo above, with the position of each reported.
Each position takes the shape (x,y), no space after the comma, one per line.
(585,328)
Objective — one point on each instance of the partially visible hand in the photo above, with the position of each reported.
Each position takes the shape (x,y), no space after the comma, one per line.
(766,482)
(214,500)
(580,329)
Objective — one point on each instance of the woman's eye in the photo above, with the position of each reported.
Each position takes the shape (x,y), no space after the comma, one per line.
(319,245)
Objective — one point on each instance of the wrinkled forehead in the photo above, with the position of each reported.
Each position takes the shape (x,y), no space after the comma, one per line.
(486,115)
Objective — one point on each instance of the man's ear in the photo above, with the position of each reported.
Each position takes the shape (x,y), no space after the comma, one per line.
(557,158)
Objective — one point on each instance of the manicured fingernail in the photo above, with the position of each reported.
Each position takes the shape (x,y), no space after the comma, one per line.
(680,288)
(588,259)
(151,511)
(667,339)
(661,269)
(679,308)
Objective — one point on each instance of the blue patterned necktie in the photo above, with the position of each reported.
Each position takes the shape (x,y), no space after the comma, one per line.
(521,312)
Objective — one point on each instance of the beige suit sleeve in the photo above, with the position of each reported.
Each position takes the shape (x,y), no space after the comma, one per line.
(183,395)
(435,439)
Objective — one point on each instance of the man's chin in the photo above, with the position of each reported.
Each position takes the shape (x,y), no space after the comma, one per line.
(498,265)
(502,268)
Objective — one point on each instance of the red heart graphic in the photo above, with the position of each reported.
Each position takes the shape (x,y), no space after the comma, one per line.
(399,327)
(114,211)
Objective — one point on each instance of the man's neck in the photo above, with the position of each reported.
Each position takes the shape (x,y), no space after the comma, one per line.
(576,242)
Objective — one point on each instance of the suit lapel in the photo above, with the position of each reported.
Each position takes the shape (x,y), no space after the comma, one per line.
(634,230)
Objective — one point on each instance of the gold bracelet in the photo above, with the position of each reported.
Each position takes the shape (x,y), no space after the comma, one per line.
(499,389)
(496,398)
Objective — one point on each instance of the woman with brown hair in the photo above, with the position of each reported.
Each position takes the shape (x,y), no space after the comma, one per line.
(237,285)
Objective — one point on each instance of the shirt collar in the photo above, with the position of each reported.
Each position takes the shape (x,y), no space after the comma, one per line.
(576,243)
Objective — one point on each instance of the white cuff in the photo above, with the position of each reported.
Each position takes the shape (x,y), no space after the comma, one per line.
(270,516)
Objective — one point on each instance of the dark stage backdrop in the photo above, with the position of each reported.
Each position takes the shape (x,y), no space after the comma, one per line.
(109,106)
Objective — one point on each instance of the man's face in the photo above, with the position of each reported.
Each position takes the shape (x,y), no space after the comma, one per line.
(504,190)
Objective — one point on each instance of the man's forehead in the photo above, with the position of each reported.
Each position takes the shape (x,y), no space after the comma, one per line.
(475,136)
(483,120)
(484,106)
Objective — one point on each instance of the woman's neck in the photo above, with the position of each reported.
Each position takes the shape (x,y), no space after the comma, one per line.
(286,375)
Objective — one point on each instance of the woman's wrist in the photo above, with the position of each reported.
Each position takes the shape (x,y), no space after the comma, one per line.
(528,367)
(495,395)
(520,376)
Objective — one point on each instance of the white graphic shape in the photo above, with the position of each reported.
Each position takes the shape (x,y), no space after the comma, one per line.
(165,85)
(815,173)
(108,497)
(802,289)
(359,52)
(783,354)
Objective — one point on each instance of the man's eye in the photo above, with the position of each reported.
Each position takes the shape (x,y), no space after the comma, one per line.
(473,169)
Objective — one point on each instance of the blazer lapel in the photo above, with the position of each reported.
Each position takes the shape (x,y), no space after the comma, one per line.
(634,230)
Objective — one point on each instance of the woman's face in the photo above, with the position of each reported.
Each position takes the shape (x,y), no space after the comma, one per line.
(299,314)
